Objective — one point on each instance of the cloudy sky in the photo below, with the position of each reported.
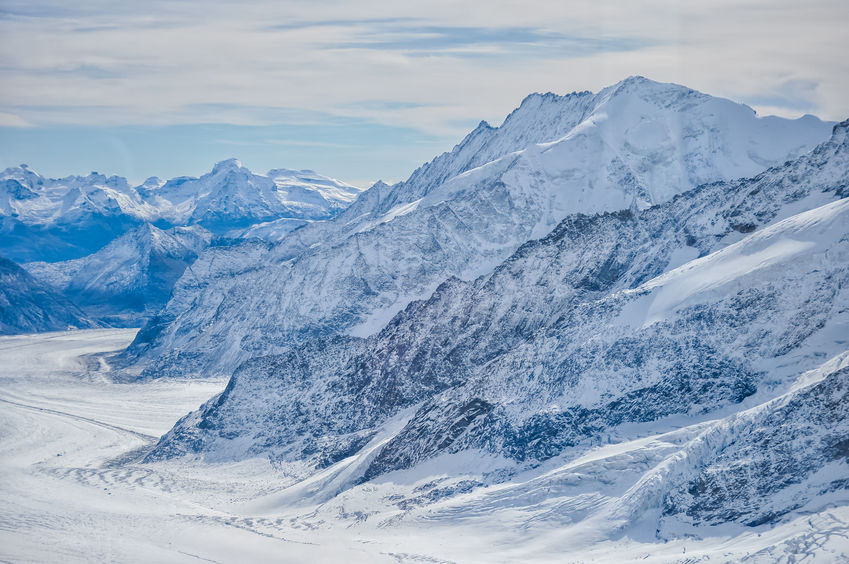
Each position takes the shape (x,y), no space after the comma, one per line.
(370,89)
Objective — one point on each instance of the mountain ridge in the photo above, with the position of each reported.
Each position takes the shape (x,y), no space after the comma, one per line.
(46,219)
(401,352)
(462,214)
(27,305)
(715,313)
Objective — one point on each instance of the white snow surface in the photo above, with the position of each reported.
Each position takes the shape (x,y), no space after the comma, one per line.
(792,243)
(71,492)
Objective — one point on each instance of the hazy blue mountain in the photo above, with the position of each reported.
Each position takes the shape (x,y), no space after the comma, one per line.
(28,306)
(55,219)
(129,279)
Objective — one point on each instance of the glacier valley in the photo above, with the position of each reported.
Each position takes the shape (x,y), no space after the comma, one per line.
(614,328)
(73,492)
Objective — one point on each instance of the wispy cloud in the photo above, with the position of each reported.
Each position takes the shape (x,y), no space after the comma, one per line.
(466,41)
(434,68)
(13,120)
(793,95)
(339,23)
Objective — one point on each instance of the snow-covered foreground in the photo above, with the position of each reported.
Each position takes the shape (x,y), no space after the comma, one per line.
(71,491)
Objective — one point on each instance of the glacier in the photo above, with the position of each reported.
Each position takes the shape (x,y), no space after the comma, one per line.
(612,329)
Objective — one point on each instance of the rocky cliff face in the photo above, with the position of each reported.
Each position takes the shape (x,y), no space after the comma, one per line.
(714,301)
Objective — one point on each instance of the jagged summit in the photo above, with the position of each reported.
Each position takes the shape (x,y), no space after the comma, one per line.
(226,165)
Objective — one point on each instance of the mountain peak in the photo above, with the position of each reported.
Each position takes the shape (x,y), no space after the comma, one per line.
(20,169)
(483,125)
(147,228)
(227,165)
(648,89)
(637,79)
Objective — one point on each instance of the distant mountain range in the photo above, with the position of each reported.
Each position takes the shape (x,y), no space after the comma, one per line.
(53,219)
(116,251)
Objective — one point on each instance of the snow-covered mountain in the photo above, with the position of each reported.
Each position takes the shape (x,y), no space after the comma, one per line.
(129,279)
(632,145)
(589,300)
(28,306)
(55,219)
(44,219)
(723,311)
(613,328)
(231,198)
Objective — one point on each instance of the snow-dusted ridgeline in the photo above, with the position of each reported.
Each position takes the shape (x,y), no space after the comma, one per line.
(585,309)
(49,219)
(631,145)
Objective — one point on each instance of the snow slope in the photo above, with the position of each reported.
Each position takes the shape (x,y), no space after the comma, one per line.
(594,326)
(631,145)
